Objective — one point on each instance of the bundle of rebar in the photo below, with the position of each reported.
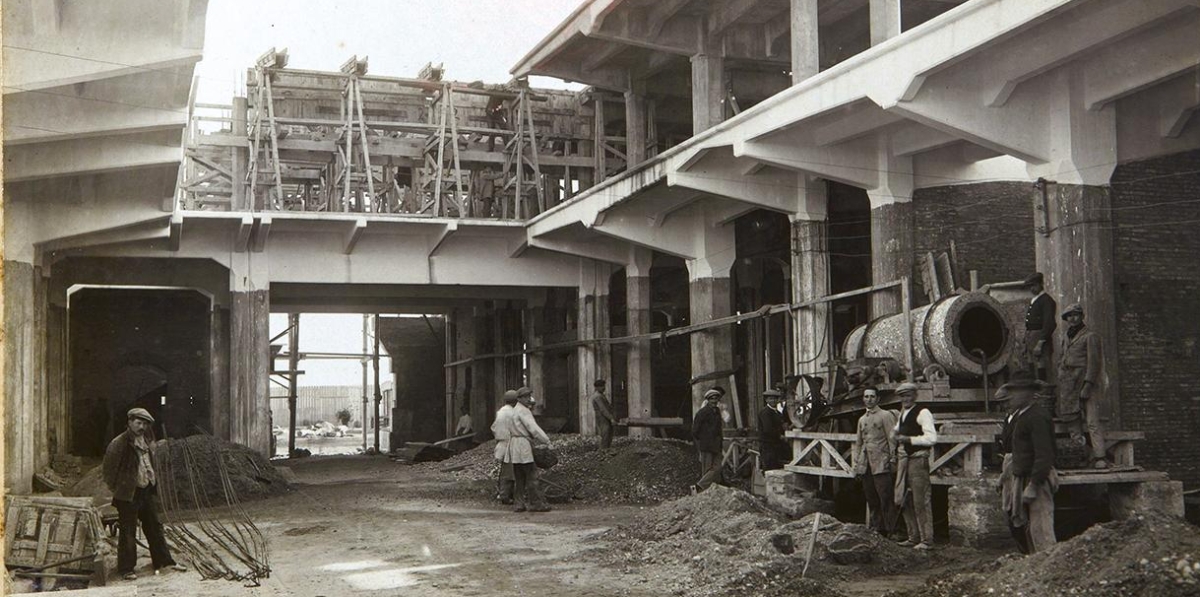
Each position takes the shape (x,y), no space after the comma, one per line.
(218,537)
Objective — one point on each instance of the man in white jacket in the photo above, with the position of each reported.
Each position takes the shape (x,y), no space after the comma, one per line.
(500,432)
(523,433)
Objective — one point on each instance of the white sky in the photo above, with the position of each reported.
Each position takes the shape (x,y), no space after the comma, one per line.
(474,39)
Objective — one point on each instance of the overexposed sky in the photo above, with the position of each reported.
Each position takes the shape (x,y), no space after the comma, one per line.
(473,39)
(328,332)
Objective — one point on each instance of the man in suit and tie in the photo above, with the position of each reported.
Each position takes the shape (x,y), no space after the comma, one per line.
(1028,479)
(1040,323)
(773,448)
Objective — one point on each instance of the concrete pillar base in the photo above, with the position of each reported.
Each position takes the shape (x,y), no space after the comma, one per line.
(1126,499)
(975,517)
(891,253)
(785,495)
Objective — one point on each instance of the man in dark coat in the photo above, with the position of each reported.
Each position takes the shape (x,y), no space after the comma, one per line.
(773,447)
(1080,367)
(129,473)
(709,436)
(1040,323)
(1028,479)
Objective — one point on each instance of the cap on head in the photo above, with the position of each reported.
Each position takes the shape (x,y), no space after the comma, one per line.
(906,388)
(1035,280)
(524,391)
(140,413)
(1075,308)
(510,397)
(713,394)
(772,395)
(599,383)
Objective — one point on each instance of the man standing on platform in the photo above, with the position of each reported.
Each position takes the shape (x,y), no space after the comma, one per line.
(523,433)
(1028,480)
(773,448)
(709,436)
(916,434)
(874,459)
(606,422)
(1040,323)
(129,474)
(1079,369)
(504,488)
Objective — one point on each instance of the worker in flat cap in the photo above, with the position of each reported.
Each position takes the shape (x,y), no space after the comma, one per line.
(1027,479)
(708,435)
(606,422)
(504,485)
(874,461)
(1040,323)
(1080,367)
(773,448)
(523,433)
(916,435)
(129,473)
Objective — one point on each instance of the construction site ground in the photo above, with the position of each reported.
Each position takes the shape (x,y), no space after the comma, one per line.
(369,525)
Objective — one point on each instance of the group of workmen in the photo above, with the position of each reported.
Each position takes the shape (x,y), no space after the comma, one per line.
(517,433)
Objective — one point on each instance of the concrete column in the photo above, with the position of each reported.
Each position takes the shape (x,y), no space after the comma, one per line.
(536,375)
(806,47)
(640,377)
(218,371)
(708,90)
(885,20)
(635,127)
(477,341)
(249,354)
(710,298)
(1075,253)
(239,157)
(892,226)
(58,389)
(810,279)
(24,404)
(594,361)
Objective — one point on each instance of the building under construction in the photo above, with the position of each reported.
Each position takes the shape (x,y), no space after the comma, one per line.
(747,191)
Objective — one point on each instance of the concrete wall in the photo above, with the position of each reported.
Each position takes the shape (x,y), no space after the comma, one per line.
(24,376)
(417,353)
(1157,274)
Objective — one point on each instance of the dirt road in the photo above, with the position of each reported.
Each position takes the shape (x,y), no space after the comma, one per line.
(364,525)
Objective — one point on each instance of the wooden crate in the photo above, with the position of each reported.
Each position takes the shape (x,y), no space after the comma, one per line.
(44,530)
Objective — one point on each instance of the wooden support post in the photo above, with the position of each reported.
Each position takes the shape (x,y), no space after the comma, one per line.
(293,382)
(378,392)
(601,153)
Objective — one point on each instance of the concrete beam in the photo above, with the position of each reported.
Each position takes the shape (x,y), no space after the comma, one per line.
(864,121)
(93,155)
(1180,107)
(157,228)
(262,233)
(242,241)
(725,14)
(850,163)
(914,138)
(176,231)
(353,235)
(675,238)
(605,249)
(1141,61)
(440,237)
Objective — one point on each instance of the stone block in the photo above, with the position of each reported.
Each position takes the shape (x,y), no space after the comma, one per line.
(974,515)
(786,497)
(1125,499)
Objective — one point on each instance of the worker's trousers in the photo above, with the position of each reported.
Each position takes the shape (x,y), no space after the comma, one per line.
(878,490)
(710,469)
(1089,422)
(606,433)
(526,492)
(504,486)
(918,509)
(144,508)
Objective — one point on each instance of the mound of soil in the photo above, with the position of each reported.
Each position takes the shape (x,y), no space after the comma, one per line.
(190,473)
(1149,555)
(723,542)
(633,470)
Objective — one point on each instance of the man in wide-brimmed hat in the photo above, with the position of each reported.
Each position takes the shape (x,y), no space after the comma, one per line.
(1028,480)
(1080,367)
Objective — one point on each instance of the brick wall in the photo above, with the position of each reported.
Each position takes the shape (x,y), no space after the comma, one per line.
(991,225)
(1156,246)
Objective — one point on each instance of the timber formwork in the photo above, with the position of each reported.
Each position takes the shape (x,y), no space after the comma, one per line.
(350,142)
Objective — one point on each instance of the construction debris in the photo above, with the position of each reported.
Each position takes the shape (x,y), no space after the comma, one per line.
(725,542)
(251,475)
(1149,555)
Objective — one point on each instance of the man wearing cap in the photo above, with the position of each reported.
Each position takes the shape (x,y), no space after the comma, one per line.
(504,488)
(773,448)
(605,421)
(709,436)
(1079,369)
(129,473)
(874,460)
(1040,323)
(1028,479)
(523,433)
(916,434)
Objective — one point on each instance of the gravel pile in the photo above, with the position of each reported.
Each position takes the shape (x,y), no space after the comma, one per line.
(1149,555)
(723,542)
(633,470)
(251,475)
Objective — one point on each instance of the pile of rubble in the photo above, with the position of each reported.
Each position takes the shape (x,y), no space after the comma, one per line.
(1149,555)
(198,459)
(724,542)
(633,470)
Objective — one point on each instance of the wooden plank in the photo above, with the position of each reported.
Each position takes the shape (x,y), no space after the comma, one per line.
(836,456)
(950,454)
(1087,477)
(817,471)
(651,422)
